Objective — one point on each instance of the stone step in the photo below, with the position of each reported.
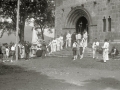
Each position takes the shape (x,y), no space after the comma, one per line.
(67,55)
(68,52)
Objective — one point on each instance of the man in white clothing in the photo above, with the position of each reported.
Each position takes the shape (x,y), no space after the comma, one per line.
(54,42)
(81,48)
(50,47)
(78,37)
(61,42)
(95,47)
(105,50)
(68,40)
(85,36)
(58,43)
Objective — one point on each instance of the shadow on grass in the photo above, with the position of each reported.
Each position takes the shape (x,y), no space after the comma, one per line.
(17,78)
(102,84)
(8,69)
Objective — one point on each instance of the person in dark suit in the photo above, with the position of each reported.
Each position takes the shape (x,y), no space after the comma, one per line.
(44,49)
(64,40)
(27,50)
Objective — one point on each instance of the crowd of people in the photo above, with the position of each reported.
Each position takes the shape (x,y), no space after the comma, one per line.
(104,50)
(8,51)
(26,50)
(76,41)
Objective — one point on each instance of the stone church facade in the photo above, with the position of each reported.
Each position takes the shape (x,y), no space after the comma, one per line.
(101,18)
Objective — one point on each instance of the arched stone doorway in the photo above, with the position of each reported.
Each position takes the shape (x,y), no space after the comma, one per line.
(81,25)
(76,16)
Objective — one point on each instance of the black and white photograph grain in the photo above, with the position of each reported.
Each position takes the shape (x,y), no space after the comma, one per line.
(59,44)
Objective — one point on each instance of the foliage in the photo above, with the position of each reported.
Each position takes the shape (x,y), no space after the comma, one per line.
(28,9)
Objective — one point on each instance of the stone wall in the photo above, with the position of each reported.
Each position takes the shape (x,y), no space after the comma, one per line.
(97,10)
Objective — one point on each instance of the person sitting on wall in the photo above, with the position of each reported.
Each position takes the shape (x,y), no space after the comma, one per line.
(114,52)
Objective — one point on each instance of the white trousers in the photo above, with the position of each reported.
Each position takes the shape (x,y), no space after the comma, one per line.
(51,48)
(61,45)
(54,47)
(95,53)
(58,47)
(68,43)
(105,55)
(85,43)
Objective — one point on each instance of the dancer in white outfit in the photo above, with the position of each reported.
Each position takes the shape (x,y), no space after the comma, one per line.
(58,43)
(78,37)
(54,42)
(95,47)
(105,50)
(81,48)
(85,36)
(61,42)
(68,40)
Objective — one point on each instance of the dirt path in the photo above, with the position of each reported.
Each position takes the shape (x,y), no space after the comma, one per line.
(61,74)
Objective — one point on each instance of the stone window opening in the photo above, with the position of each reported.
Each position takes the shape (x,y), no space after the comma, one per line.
(104,24)
(109,24)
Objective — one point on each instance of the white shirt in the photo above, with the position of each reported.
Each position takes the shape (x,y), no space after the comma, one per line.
(61,38)
(85,35)
(74,45)
(68,36)
(58,41)
(54,41)
(95,44)
(106,46)
(13,48)
(7,51)
(78,36)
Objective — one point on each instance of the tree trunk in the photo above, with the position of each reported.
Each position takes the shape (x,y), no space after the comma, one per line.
(21,32)
(22,23)
(42,32)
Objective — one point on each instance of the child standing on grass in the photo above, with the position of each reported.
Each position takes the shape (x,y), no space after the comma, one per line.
(74,50)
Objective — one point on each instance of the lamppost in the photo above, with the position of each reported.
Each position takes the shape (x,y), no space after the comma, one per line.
(80,27)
